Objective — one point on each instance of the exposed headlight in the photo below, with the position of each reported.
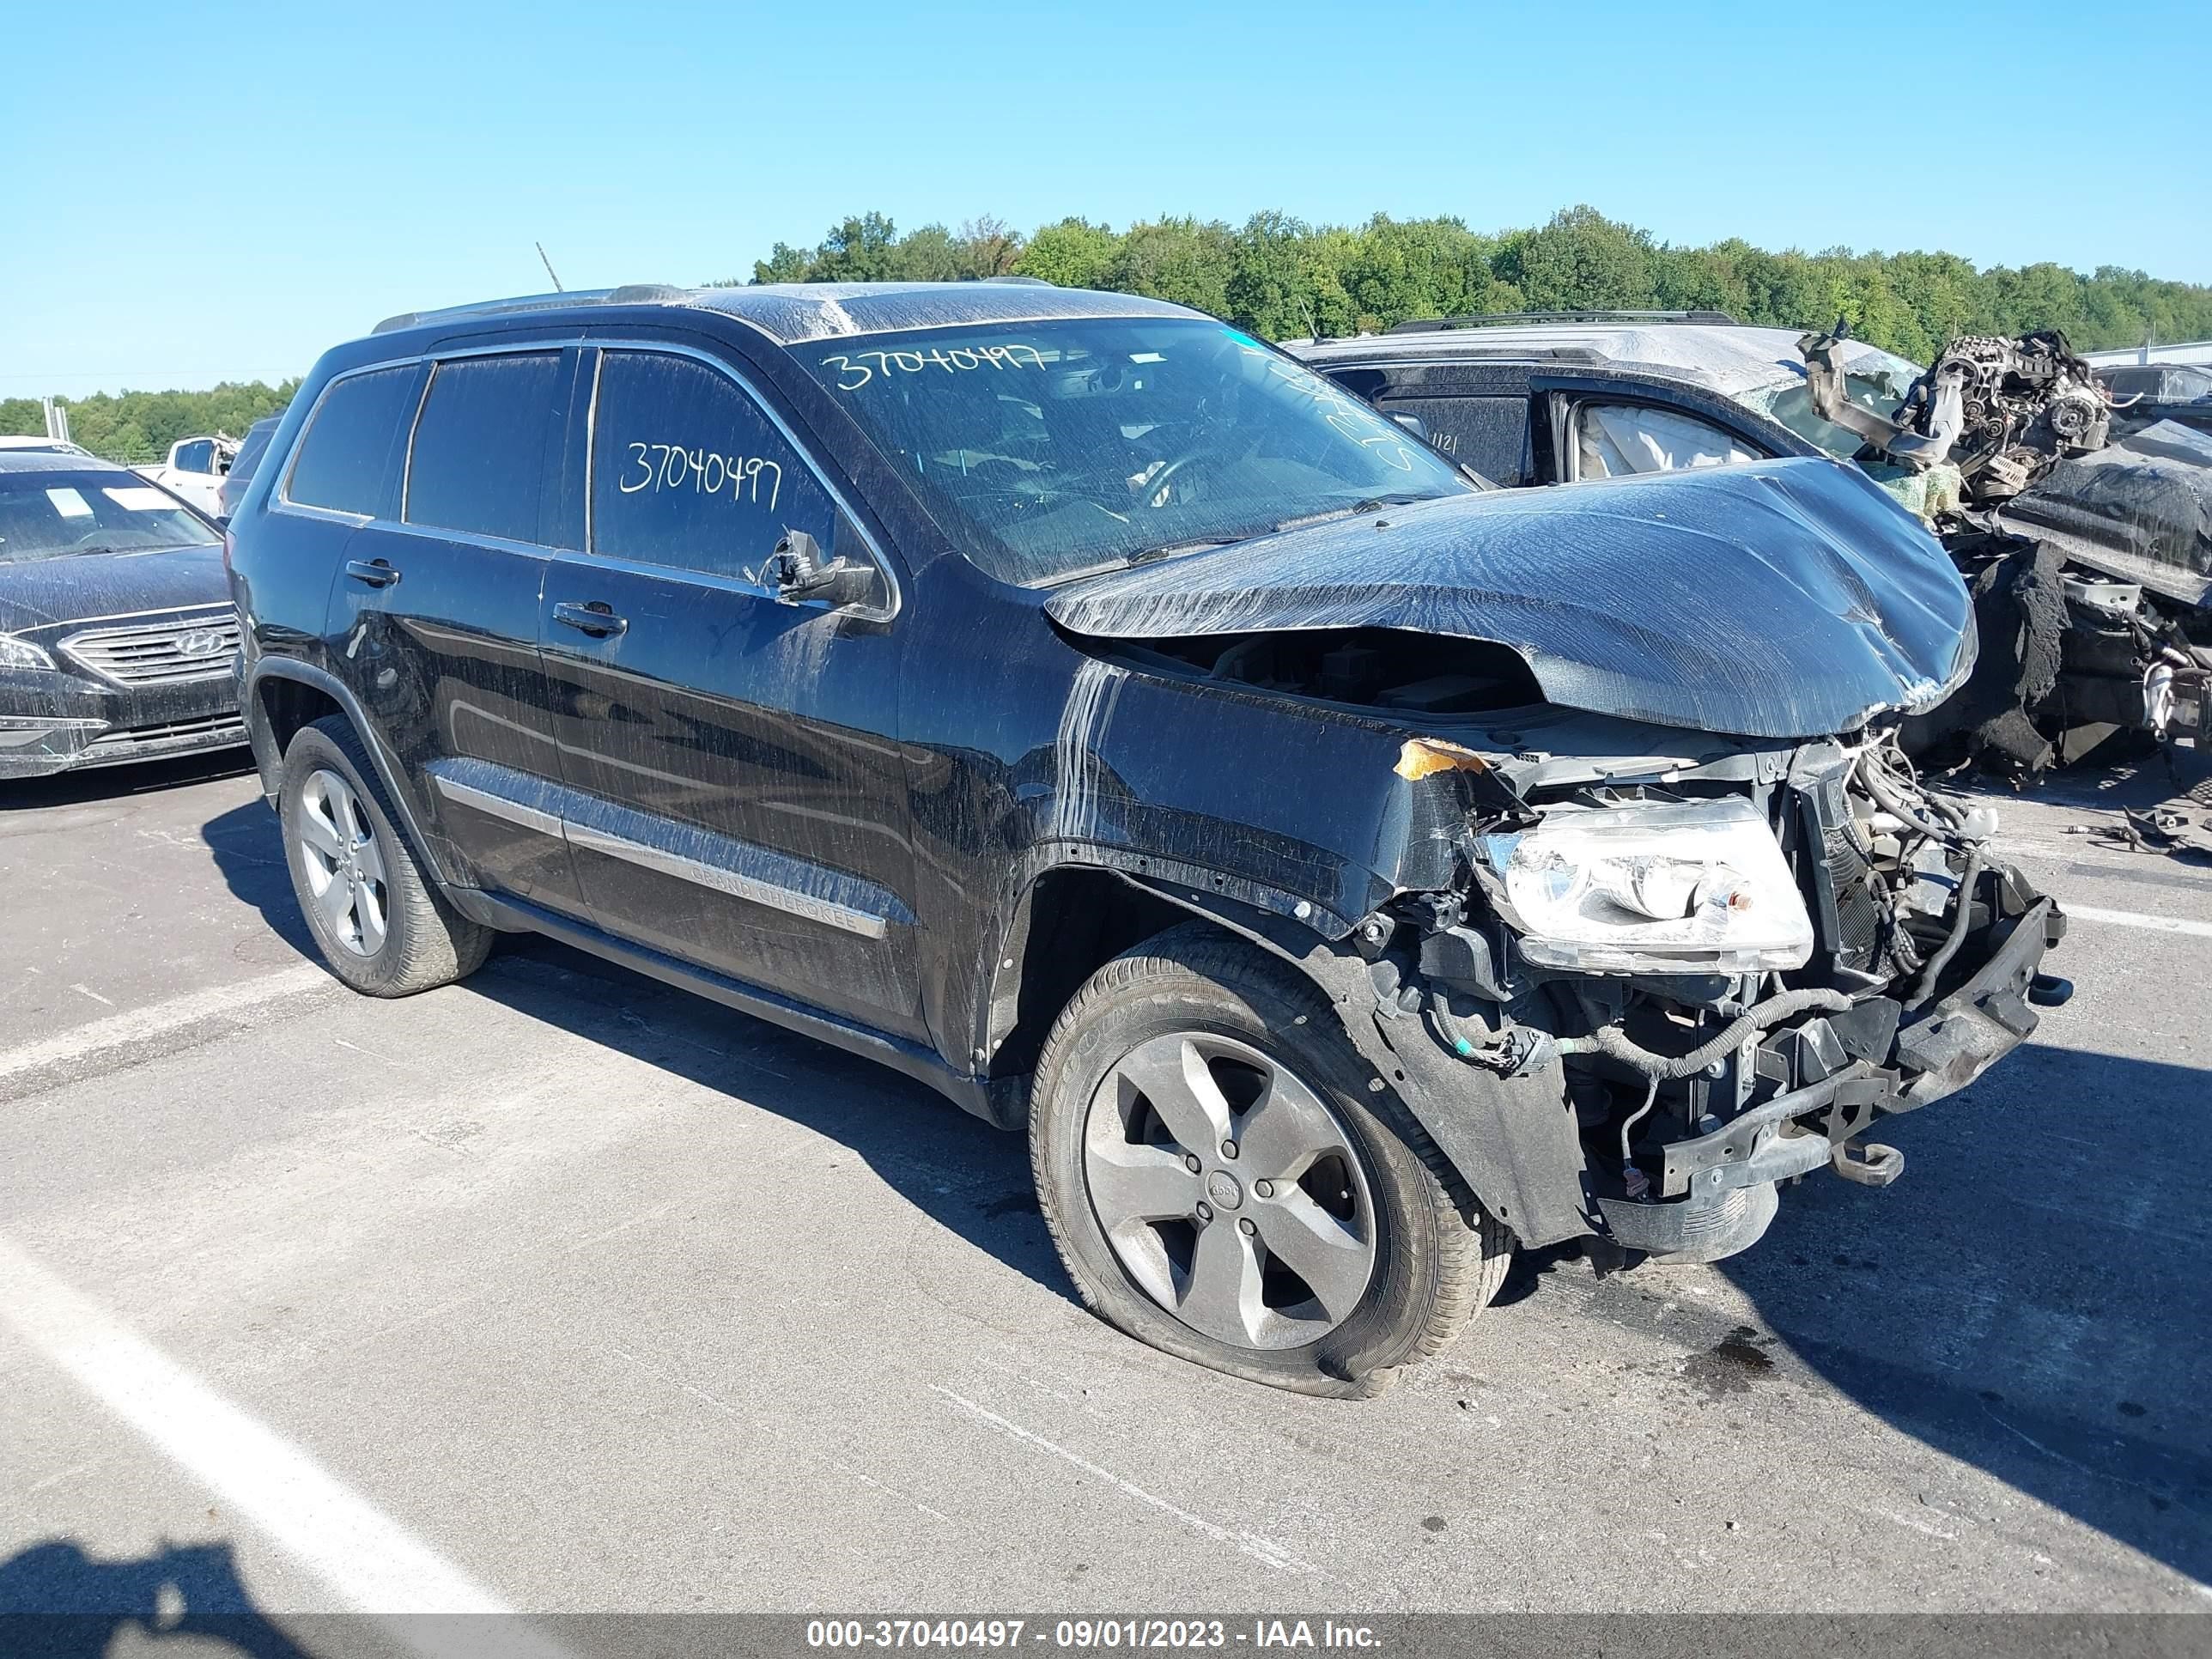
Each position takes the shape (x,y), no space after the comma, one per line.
(1701,887)
(21,653)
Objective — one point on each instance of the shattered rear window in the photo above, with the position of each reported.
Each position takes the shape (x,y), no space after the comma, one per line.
(1045,451)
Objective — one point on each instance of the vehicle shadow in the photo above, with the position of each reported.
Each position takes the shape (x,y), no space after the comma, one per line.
(2034,1299)
(58,1602)
(247,847)
(970,1178)
(112,782)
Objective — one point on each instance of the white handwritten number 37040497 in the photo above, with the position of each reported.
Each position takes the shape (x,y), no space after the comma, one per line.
(853,371)
(703,472)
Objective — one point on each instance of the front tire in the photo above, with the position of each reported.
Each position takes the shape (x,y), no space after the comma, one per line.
(381,924)
(1224,1182)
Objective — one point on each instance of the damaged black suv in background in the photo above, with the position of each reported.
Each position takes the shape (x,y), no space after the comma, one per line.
(1340,870)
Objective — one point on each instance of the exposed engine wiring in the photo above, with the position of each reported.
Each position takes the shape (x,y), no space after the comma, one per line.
(1614,1043)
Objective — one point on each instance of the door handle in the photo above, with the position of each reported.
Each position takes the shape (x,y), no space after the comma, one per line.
(375,572)
(598,619)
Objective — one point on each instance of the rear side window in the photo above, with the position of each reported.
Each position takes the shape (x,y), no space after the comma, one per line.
(689,471)
(1490,434)
(478,462)
(349,461)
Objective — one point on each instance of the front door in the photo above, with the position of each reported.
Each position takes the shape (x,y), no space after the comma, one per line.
(436,619)
(732,801)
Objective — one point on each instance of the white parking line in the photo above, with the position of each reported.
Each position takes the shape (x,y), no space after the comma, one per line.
(118,1030)
(2136,919)
(1260,1549)
(366,1557)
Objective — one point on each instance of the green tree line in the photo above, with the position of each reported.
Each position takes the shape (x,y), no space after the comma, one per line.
(137,426)
(1284,278)
(1287,279)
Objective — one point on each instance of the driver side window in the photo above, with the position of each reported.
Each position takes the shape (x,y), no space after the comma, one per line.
(688,472)
(1615,441)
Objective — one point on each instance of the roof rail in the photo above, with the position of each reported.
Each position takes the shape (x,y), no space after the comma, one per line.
(631,293)
(1496,319)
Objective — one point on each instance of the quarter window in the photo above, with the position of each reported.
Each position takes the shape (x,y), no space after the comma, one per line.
(348,460)
(478,463)
(689,471)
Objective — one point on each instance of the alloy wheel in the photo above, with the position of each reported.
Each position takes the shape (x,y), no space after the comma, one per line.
(344,866)
(1229,1191)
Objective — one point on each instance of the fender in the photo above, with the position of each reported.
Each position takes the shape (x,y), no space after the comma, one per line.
(269,762)
(1513,1140)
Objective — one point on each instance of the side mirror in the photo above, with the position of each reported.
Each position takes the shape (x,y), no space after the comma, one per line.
(796,571)
(1414,424)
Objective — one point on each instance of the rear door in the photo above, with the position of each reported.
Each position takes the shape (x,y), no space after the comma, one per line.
(436,617)
(737,799)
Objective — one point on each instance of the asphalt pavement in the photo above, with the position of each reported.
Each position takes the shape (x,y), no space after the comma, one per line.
(558,1289)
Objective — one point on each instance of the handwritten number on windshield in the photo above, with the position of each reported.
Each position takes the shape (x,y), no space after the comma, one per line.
(863,367)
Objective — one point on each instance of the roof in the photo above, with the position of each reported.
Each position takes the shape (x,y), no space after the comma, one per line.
(792,314)
(1729,359)
(54,458)
(47,445)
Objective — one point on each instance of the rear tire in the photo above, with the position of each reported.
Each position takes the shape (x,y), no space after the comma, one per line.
(1370,1255)
(381,924)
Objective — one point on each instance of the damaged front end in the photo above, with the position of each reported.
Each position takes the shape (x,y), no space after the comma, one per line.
(1622,921)
(1708,980)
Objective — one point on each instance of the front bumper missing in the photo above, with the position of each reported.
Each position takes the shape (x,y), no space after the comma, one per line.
(1716,1188)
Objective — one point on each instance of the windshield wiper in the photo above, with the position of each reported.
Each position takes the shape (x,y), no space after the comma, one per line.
(1372,504)
(1169,550)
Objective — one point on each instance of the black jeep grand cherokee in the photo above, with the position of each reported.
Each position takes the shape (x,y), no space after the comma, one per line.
(1342,871)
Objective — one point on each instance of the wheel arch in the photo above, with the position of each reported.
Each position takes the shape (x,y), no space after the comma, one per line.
(282,694)
(1512,1141)
(1071,919)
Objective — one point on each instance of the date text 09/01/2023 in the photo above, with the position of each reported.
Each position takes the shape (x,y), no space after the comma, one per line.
(1088,1634)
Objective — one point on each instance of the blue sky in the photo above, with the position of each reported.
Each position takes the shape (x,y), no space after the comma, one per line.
(194,193)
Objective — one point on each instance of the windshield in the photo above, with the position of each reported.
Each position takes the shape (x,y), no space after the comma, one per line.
(1874,380)
(1049,450)
(52,515)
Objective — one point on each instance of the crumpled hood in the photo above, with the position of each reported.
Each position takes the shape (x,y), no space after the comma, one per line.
(43,590)
(1784,599)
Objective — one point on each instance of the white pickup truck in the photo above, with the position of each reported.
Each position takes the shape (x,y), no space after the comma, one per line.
(195,471)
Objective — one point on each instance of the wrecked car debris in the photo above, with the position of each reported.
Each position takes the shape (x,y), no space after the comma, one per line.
(2085,535)
(1342,872)
(2001,411)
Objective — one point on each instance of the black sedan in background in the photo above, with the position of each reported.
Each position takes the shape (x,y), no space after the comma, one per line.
(116,627)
